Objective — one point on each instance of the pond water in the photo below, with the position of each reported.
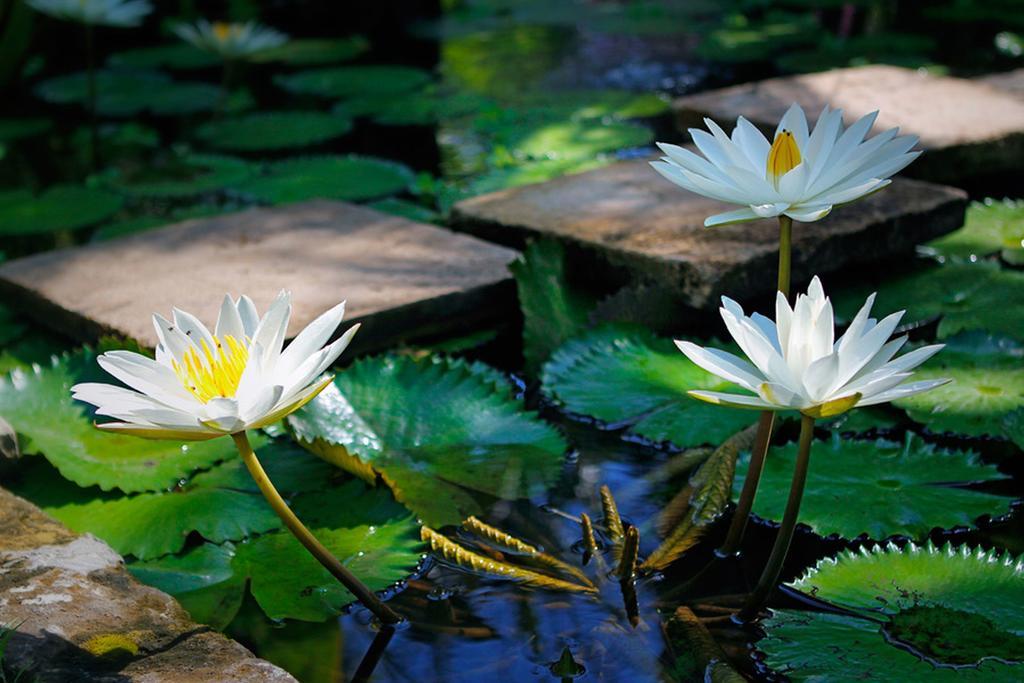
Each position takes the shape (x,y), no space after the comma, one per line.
(514,92)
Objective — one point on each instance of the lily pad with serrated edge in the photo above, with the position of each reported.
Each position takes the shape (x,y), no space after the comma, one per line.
(899,489)
(221,504)
(61,207)
(190,174)
(172,56)
(960,608)
(376,538)
(314,51)
(988,383)
(128,93)
(17,129)
(37,403)
(991,226)
(382,417)
(350,178)
(273,130)
(967,296)
(348,81)
(625,376)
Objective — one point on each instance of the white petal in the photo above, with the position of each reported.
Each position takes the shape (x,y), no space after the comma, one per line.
(723,364)
(737,216)
(193,328)
(148,432)
(795,122)
(311,339)
(753,143)
(731,400)
(257,406)
(229,322)
(905,390)
(809,214)
(250,318)
(271,331)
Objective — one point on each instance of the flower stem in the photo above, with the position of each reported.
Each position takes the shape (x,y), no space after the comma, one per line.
(738,526)
(785,253)
(315,548)
(772,570)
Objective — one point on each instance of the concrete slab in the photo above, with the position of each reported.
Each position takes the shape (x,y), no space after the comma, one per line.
(966,127)
(402,279)
(81,616)
(627,216)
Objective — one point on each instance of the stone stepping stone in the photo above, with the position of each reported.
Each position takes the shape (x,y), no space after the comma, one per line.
(80,615)
(1009,82)
(402,280)
(967,128)
(627,216)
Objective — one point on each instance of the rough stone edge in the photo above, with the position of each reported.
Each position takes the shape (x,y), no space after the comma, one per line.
(33,543)
(944,217)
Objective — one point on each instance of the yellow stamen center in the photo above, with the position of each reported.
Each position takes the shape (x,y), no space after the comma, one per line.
(221,30)
(213,373)
(783,157)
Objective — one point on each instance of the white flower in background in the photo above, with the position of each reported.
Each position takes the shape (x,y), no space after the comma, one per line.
(203,385)
(122,13)
(796,362)
(801,175)
(230,41)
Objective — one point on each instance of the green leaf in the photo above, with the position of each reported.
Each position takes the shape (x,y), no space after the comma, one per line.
(37,402)
(314,51)
(423,108)
(222,504)
(968,296)
(181,176)
(879,488)
(741,40)
(364,527)
(128,93)
(349,81)
(1013,427)
(406,209)
(553,310)
(988,383)
(172,56)
(627,377)
(17,129)
(444,434)
(273,130)
(530,172)
(959,607)
(351,178)
(61,207)
(579,140)
(583,105)
(991,226)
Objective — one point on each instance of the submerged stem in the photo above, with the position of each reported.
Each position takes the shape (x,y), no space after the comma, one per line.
(738,526)
(772,570)
(303,535)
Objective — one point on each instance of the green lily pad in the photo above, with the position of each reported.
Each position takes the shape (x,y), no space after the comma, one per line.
(909,50)
(172,56)
(444,434)
(582,105)
(37,403)
(351,81)
(422,108)
(627,377)
(741,40)
(222,504)
(61,207)
(128,93)
(182,176)
(273,130)
(406,209)
(553,310)
(991,227)
(567,140)
(17,129)
(967,296)
(314,51)
(351,178)
(959,608)
(988,383)
(900,489)
(364,527)
(530,172)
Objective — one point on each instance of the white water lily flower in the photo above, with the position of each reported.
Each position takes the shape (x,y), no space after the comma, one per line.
(795,363)
(230,41)
(203,385)
(801,175)
(122,13)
